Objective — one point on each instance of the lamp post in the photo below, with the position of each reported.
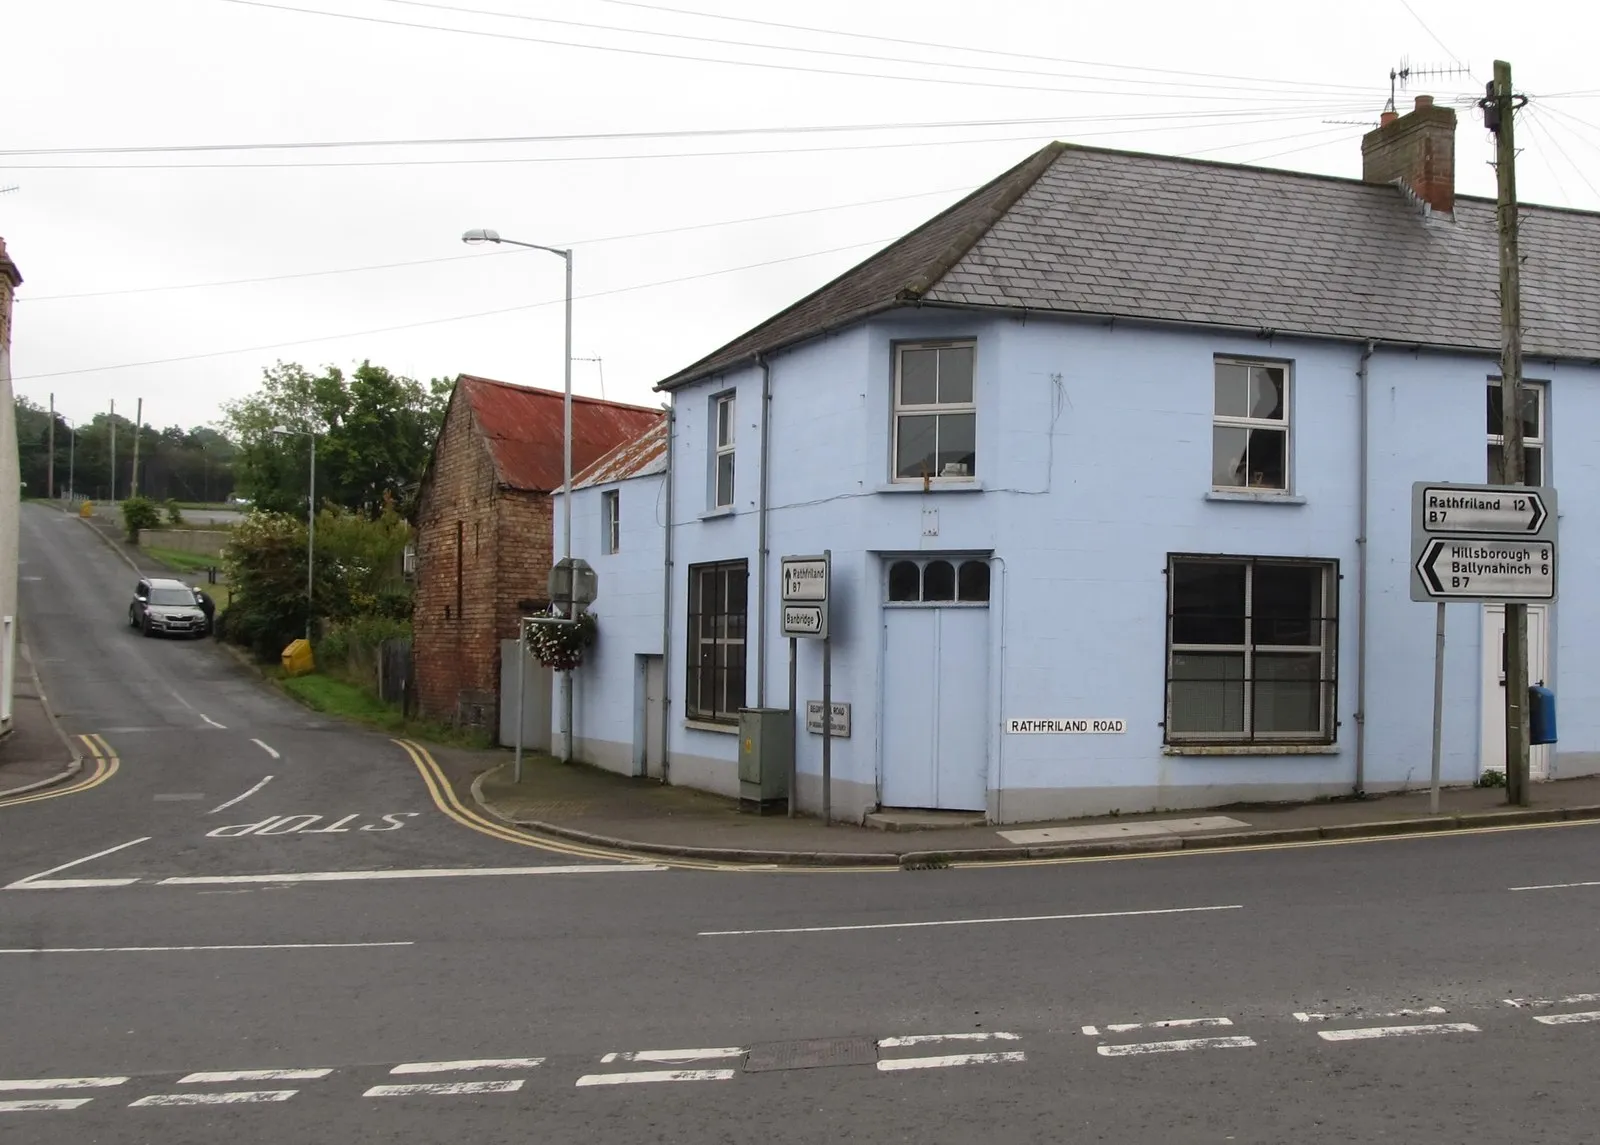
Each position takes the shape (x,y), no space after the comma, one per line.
(474,237)
(311,520)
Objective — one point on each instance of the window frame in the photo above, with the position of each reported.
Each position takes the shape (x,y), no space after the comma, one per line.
(611,521)
(1541,442)
(922,561)
(899,409)
(1327,648)
(1285,424)
(694,707)
(724,401)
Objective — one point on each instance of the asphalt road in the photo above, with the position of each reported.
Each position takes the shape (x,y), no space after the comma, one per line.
(1393,991)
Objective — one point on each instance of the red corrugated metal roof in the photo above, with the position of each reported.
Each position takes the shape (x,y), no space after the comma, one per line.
(644,455)
(522,427)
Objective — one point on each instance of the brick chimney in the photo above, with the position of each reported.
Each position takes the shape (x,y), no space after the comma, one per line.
(1418,150)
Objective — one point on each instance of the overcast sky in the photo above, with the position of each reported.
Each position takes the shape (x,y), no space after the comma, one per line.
(103,239)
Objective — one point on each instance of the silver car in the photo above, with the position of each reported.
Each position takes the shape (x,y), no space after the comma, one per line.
(164,605)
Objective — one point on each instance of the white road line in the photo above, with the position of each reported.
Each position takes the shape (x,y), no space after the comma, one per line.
(171,949)
(421,1088)
(1177,1046)
(68,884)
(32,879)
(469,1064)
(43,1104)
(1568,1019)
(238,1097)
(211,721)
(923,1039)
(656,1075)
(968,921)
(1570,999)
(1303,1016)
(894,1065)
(1554,886)
(253,1075)
(1169,1023)
(246,795)
(427,873)
(15,1084)
(673,1055)
(1397,1031)
(266,748)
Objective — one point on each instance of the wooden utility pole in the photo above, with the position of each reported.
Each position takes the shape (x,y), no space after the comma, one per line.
(50,451)
(113,451)
(138,421)
(1498,110)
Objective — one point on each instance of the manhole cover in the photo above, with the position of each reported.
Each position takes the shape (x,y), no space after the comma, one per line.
(811,1054)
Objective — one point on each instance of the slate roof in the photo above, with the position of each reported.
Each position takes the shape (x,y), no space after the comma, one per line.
(522,427)
(644,456)
(1083,230)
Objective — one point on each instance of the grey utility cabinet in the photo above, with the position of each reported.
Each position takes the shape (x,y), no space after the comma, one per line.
(766,746)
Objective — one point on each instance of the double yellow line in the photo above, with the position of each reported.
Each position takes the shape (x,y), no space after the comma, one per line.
(446,800)
(106,764)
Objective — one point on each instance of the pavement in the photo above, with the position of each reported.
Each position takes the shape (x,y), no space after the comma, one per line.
(600,808)
(243,921)
(37,753)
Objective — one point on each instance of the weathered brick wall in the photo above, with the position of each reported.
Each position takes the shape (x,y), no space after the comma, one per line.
(524,537)
(454,633)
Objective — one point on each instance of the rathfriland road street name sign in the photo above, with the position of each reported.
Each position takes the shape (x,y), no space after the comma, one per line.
(1491,544)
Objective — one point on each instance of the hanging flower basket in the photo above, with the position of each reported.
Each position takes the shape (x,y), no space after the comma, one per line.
(561,646)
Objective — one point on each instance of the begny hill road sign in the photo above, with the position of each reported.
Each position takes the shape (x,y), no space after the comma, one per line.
(1491,544)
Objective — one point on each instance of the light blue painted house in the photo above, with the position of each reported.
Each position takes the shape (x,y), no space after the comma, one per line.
(1123,439)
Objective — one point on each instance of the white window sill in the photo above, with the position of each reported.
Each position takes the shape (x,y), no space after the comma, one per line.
(714,514)
(935,486)
(1258,497)
(1250,749)
(708,726)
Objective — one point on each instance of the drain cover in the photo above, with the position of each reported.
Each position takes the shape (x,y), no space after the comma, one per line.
(811,1054)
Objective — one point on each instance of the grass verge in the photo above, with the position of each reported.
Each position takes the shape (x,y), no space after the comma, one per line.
(350,701)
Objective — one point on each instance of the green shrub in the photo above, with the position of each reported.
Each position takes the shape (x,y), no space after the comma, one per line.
(174,512)
(138,514)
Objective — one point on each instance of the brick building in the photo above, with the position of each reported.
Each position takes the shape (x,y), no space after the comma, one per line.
(485,535)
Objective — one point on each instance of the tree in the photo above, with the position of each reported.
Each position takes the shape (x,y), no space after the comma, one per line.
(374,433)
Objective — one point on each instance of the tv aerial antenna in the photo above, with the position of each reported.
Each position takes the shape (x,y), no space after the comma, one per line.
(1400,75)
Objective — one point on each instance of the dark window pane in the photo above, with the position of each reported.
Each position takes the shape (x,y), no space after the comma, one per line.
(914,452)
(724,480)
(1288,693)
(1530,411)
(1232,390)
(939,581)
(973,581)
(955,375)
(1532,465)
(733,678)
(905,581)
(957,444)
(1266,392)
(1207,690)
(1207,602)
(1266,460)
(1286,604)
(1228,446)
(738,589)
(919,377)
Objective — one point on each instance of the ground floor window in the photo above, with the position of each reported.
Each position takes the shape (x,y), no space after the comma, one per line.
(1251,649)
(718,608)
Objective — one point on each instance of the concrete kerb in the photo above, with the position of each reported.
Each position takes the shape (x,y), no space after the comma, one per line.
(1382,828)
(74,756)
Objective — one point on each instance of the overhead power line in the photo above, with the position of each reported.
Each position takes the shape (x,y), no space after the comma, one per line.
(766,64)
(429,4)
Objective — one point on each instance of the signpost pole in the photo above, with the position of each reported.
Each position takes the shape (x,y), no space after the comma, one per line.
(827,709)
(794,729)
(1438,706)
(522,693)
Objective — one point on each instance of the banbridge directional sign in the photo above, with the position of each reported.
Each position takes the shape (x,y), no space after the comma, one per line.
(1492,544)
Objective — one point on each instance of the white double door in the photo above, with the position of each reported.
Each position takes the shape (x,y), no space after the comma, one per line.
(935,707)
(1492,750)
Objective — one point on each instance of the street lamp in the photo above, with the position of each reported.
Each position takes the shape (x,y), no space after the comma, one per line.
(473,238)
(311,519)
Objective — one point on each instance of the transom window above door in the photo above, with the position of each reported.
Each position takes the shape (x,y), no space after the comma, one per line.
(939,580)
(1250,425)
(935,412)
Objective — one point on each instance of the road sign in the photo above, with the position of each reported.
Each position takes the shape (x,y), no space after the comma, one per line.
(804,582)
(1486,510)
(1491,544)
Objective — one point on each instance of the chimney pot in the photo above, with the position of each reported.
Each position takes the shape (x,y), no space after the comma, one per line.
(1424,101)
(1417,150)
(1387,118)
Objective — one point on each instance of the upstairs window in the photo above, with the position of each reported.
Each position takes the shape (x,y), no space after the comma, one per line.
(1250,426)
(1251,650)
(722,408)
(1533,421)
(935,413)
(610,520)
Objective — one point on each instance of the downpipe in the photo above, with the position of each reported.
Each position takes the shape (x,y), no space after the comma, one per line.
(761,530)
(1363,379)
(666,613)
